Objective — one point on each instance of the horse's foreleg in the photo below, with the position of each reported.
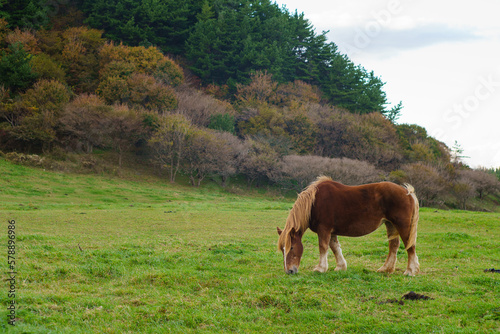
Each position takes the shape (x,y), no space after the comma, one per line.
(324,240)
(337,251)
(393,236)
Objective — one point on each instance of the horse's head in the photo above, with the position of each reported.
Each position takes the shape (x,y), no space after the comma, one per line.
(290,243)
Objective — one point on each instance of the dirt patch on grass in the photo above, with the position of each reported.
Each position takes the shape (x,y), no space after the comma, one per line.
(415,296)
(408,296)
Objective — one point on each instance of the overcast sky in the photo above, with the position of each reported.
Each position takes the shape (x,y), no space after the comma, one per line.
(441,58)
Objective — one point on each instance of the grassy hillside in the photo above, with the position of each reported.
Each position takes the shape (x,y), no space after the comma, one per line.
(107,255)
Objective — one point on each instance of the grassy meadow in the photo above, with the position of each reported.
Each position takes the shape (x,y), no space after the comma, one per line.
(98,254)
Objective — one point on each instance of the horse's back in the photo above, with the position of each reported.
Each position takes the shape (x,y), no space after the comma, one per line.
(357,210)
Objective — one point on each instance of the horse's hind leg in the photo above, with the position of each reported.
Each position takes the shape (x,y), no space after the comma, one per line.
(413,266)
(393,236)
(337,251)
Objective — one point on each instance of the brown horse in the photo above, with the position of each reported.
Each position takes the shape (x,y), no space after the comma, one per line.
(330,209)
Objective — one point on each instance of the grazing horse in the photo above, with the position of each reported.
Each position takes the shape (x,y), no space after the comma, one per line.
(330,209)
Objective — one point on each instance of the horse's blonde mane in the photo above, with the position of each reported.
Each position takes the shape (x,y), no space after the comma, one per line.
(298,218)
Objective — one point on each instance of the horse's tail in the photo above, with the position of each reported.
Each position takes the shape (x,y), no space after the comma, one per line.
(412,239)
(298,218)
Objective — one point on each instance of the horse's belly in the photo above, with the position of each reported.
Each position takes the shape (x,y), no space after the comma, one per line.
(356,228)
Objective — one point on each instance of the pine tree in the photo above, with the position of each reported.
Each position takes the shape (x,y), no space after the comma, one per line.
(24,13)
(15,69)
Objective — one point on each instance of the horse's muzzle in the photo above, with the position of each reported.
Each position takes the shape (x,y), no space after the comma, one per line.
(292,270)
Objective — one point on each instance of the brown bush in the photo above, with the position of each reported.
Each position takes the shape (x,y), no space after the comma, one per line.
(369,138)
(79,56)
(483,182)
(122,128)
(147,92)
(293,94)
(353,172)
(463,189)
(33,118)
(211,153)
(298,171)
(26,38)
(427,180)
(200,107)
(269,121)
(169,142)
(48,95)
(82,121)
(230,152)
(142,60)
(259,161)
(260,90)
(25,159)
(139,90)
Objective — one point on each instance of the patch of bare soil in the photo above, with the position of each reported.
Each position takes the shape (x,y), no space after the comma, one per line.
(408,296)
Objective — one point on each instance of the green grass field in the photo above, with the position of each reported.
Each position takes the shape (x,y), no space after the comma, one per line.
(107,255)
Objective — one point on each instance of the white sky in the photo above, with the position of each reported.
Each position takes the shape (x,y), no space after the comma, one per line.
(441,58)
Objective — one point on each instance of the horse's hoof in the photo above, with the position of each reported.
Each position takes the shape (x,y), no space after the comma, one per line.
(320,269)
(385,270)
(339,268)
(409,273)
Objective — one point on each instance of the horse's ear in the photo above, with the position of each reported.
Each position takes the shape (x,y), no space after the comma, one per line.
(279,230)
(295,233)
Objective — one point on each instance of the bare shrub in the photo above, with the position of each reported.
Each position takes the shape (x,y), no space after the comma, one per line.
(484,183)
(81,120)
(230,153)
(200,107)
(149,93)
(427,180)
(169,142)
(352,172)
(211,153)
(122,128)
(463,189)
(296,171)
(297,93)
(260,90)
(259,160)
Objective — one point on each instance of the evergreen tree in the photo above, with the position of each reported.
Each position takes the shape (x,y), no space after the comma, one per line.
(165,23)
(24,13)
(227,40)
(15,68)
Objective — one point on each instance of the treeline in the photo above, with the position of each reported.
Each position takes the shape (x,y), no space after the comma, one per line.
(222,42)
(72,90)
